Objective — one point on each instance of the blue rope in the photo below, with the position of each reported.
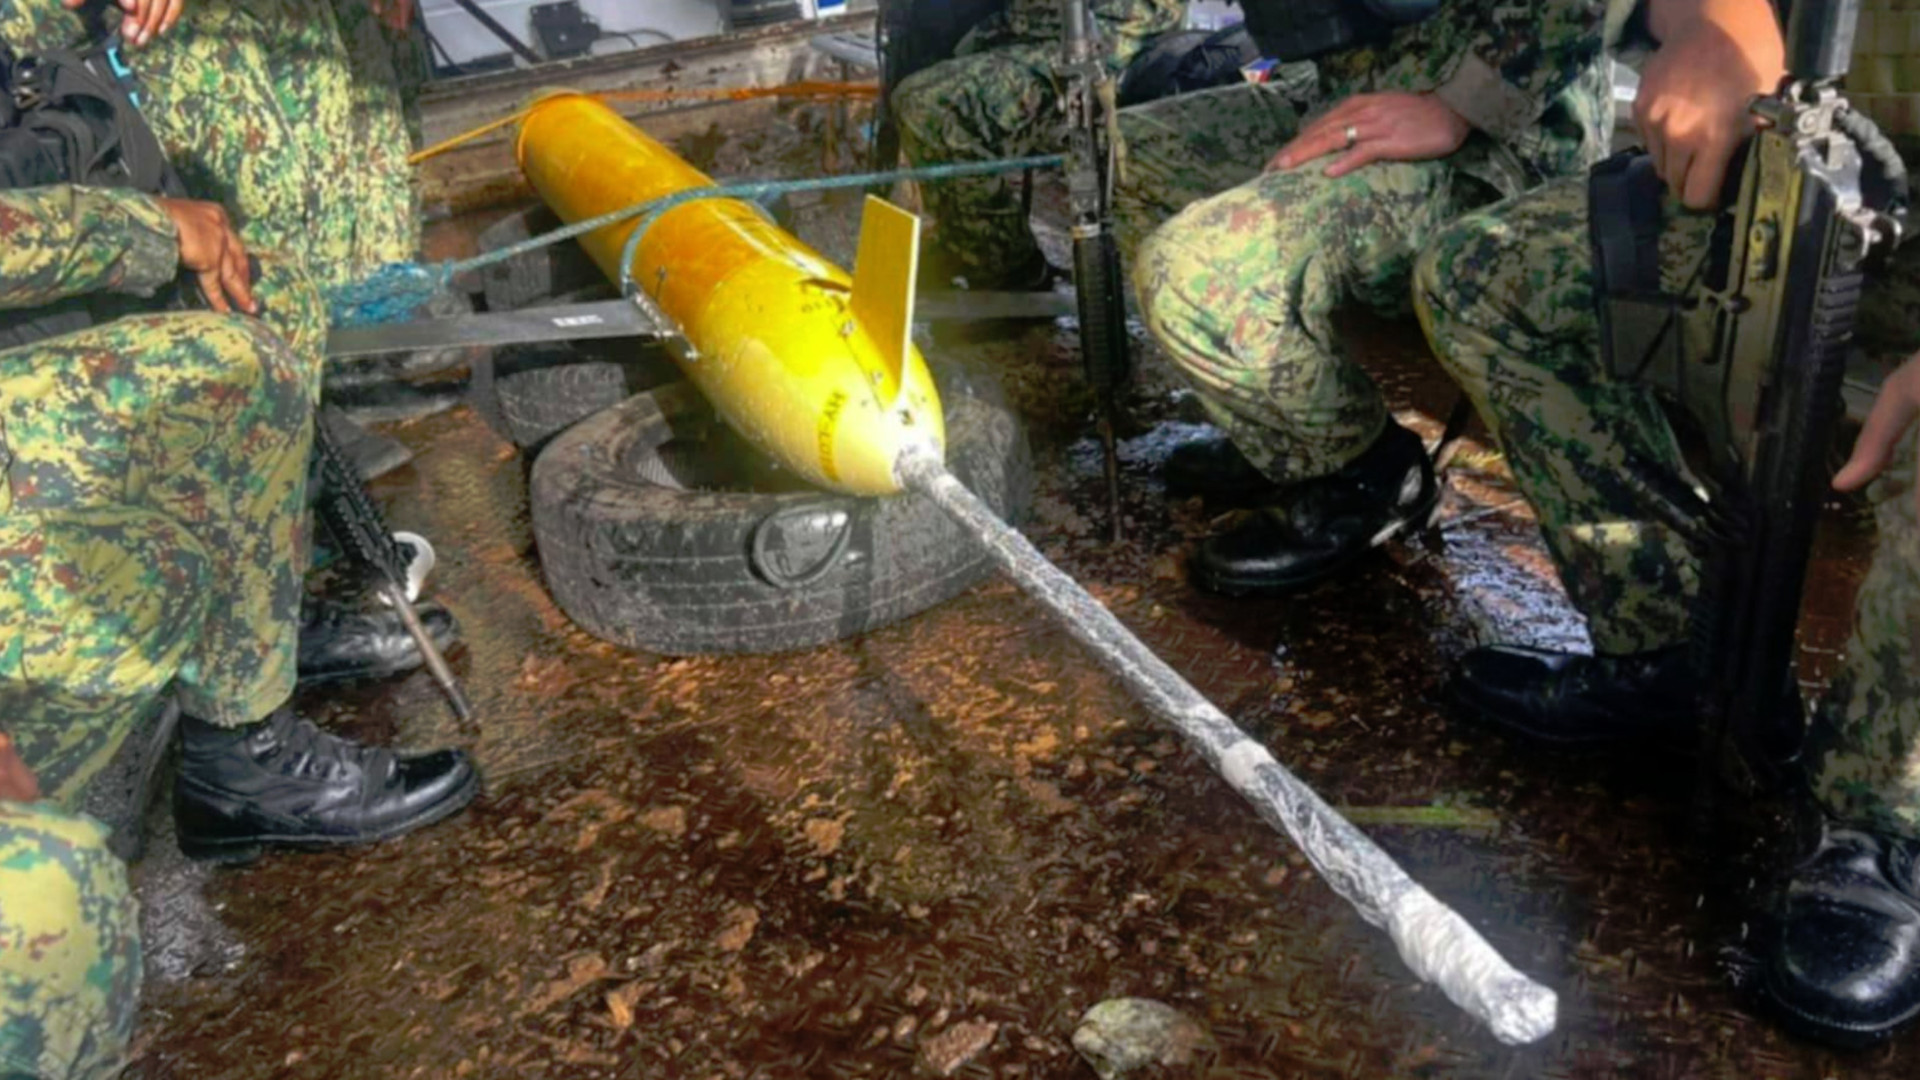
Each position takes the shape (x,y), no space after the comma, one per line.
(394,292)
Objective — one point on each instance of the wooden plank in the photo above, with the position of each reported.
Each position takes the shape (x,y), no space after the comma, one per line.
(766,57)
(483,173)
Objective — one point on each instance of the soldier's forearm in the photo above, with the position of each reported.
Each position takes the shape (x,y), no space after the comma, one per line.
(63,241)
(1749,24)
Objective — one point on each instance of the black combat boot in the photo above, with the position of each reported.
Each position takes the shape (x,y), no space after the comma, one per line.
(1843,965)
(1320,526)
(341,641)
(285,783)
(1573,701)
(1218,472)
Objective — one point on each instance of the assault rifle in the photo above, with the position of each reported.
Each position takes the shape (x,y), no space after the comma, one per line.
(346,510)
(1090,98)
(1753,354)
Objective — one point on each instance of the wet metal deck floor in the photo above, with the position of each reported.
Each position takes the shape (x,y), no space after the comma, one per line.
(928,850)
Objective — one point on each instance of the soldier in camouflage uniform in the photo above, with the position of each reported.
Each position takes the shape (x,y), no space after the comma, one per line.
(292,117)
(1251,252)
(152,508)
(291,113)
(69,947)
(295,115)
(111,549)
(1507,298)
(288,112)
(153,476)
(998,98)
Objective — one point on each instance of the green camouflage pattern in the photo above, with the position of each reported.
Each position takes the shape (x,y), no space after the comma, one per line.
(293,119)
(1239,271)
(154,505)
(390,70)
(290,113)
(1506,296)
(998,98)
(69,947)
(1865,743)
(1039,21)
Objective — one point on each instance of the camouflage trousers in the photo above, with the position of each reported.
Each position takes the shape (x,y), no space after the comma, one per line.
(293,117)
(1506,297)
(69,947)
(1001,101)
(152,524)
(1240,284)
(152,517)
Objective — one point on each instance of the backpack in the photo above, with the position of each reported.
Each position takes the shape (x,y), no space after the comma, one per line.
(1183,61)
(72,117)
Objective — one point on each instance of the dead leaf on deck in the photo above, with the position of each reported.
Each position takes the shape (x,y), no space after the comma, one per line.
(947,1052)
(582,971)
(741,922)
(622,999)
(825,834)
(671,820)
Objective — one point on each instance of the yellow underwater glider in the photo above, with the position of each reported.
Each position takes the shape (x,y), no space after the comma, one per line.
(815,368)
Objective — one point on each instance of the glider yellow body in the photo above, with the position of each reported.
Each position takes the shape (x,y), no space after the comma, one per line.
(822,379)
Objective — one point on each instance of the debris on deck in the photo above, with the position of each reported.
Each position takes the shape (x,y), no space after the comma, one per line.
(936,849)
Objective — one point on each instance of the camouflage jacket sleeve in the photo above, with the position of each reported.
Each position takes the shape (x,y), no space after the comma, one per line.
(1518,58)
(62,241)
(1137,19)
(31,26)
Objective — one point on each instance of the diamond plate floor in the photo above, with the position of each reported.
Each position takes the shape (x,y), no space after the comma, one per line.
(929,850)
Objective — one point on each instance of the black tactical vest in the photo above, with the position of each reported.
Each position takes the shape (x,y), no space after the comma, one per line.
(1290,30)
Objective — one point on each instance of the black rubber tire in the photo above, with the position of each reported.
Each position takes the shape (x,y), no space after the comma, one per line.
(680,572)
(530,393)
(537,276)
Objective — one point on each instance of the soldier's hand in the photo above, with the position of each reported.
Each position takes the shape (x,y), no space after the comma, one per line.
(1692,107)
(1366,128)
(1893,414)
(17,782)
(144,20)
(212,250)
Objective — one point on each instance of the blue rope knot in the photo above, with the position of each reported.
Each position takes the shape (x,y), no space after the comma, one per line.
(390,294)
(397,291)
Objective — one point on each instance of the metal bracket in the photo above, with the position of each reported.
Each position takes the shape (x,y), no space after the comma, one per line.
(670,333)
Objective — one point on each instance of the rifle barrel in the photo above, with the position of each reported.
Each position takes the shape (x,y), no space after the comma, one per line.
(1820,38)
(396,595)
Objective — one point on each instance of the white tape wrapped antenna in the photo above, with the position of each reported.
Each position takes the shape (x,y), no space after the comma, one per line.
(1436,943)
